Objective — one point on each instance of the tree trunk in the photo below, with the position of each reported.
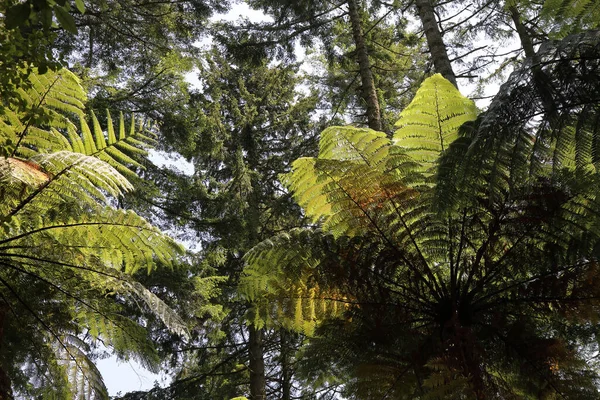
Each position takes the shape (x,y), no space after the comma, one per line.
(286,371)
(257,364)
(5,386)
(369,94)
(437,48)
(539,77)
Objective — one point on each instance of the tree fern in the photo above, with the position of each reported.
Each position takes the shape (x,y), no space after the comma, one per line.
(466,252)
(61,232)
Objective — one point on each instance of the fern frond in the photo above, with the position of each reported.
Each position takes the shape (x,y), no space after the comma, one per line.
(84,378)
(570,16)
(429,124)
(532,131)
(49,105)
(284,281)
(54,103)
(125,337)
(60,231)
(119,149)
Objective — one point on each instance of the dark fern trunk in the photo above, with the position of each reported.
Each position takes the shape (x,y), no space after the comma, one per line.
(435,42)
(257,364)
(369,94)
(5,385)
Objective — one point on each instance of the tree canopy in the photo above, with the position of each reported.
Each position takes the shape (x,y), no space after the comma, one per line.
(355,227)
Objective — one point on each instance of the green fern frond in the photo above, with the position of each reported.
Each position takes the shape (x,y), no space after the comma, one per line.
(125,337)
(48,107)
(59,230)
(511,145)
(54,103)
(85,380)
(119,149)
(446,382)
(346,143)
(570,16)
(283,281)
(429,124)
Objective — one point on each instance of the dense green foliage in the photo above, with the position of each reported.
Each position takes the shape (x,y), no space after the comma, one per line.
(464,264)
(67,253)
(452,255)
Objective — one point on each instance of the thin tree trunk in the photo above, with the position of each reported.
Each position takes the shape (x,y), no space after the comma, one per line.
(437,48)
(5,386)
(539,77)
(369,94)
(286,372)
(257,364)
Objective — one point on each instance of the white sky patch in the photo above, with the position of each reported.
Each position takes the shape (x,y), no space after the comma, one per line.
(128,376)
(172,161)
(240,11)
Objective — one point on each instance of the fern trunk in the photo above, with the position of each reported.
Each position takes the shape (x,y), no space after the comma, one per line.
(257,364)
(435,42)
(369,94)
(5,385)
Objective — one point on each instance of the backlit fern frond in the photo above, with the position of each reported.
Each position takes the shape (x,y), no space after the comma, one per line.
(285,282)
(357,189)
(47,107)
(429,124)
(84,378)
(538,126)
(359,186)
(480,278)
(51,117)
(125,337)
(61,234)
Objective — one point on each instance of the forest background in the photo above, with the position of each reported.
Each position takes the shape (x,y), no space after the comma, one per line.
(321,262)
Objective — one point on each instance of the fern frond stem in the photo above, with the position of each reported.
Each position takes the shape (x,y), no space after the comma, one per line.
(30,120)
(78,299)
(454,272)
(37,191)
(370,303)
(417,296)
(540,299)
(384,236)
(46,327)
(62,264)
(529,280)
(495,269)
(79,224)
(492,231)
(56,176)
(398,377)
(439,288)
